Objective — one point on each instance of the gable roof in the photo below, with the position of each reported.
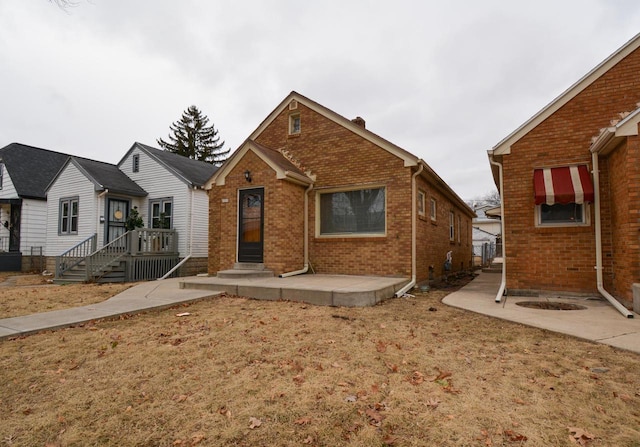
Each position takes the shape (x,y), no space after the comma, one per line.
(283,167)
(106,176)
(408,158)
(194,173)
(31,168)
(504,146)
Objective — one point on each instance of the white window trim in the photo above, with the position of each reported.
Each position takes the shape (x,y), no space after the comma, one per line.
(292,118)
(586,219)
(349,235)
(433,209)
(70,201)
(422,203)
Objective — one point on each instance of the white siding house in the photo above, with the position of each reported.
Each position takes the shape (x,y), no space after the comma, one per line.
(172,179)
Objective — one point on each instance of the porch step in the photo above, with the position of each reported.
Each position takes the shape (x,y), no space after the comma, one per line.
(245,273)
(248,266)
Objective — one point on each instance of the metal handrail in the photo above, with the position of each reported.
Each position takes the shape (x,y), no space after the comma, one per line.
(75,255)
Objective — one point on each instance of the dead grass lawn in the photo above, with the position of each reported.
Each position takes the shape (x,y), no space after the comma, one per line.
(33,294)
(238,372)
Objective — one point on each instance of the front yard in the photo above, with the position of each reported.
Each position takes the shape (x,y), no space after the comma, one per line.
(236,372)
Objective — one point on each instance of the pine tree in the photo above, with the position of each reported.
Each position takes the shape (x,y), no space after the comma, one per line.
(192,138)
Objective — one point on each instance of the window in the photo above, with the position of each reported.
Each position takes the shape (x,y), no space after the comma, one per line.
(458,228)
(353,212)
(136,162)
(294,124)
(561,214)
(68,216)
(1,173)
(434,210)
(451,226)
(421,203)
(161,212)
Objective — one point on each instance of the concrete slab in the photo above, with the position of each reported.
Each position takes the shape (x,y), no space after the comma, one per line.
(599,322)
(321,290)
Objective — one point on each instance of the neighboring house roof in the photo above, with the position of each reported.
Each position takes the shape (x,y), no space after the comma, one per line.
(194,173)
(106,176)
(284,168)
(504,146)
(31,169)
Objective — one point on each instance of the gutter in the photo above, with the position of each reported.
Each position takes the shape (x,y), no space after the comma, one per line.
(503,281)
(600,284)
(305,268)
(412,283)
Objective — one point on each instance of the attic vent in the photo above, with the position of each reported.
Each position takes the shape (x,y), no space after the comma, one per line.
(359,121)
(293,105)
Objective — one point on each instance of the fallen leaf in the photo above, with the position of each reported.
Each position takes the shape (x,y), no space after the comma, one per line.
(309,440)
(196,438)
(303,421)
(381,346)
(179,397)
(375,418)
(443,375)
(254,423)
(299,379)
(513,436)
(433,403)
(580,436)
(416,378)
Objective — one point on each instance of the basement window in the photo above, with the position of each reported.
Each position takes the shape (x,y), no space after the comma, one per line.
(357,212)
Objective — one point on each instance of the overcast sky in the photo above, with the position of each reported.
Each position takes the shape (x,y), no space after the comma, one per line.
(445,80)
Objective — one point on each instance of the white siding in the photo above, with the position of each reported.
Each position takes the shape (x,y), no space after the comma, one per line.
(200,247)
(8,190)
(33,225)
(154,178)
(71,183)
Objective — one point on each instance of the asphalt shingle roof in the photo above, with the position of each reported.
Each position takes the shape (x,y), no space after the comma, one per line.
(108,176)
(31,169)
(195,172)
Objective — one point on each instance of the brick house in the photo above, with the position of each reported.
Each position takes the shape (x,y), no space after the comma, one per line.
(569,179)
(310,189)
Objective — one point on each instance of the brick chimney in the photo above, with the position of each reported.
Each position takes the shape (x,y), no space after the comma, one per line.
(359,121)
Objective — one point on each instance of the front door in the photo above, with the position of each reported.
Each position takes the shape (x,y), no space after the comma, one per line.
(117,212)
(250,225)
(14,228)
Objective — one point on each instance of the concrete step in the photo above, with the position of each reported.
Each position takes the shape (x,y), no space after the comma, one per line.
(248,266)
(245,273)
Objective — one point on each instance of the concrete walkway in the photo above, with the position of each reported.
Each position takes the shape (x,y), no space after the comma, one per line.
(599,322)
(145,296)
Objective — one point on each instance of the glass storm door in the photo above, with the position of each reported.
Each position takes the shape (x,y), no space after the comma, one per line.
(251,225)
(117,212)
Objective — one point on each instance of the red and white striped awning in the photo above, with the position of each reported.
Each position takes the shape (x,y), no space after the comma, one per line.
(566,184)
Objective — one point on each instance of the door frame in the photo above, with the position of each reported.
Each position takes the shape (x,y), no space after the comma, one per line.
(244,251)
(107,220)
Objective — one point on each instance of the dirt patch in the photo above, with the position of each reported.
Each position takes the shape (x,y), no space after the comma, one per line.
(231,371)
(550,305)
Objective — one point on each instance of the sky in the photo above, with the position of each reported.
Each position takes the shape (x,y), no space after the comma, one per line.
(445,81)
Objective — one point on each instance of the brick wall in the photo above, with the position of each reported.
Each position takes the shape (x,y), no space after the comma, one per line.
(563,259)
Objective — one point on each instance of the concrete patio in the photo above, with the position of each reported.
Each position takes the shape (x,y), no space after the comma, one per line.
(322,290)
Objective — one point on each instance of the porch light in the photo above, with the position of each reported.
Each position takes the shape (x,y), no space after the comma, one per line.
(247,175)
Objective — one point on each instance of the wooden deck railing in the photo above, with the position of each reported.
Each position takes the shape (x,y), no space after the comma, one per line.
(75,255)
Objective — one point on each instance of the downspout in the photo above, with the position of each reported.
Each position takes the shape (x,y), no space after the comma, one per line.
(596,189)
(100,196)
(503,282)
(186,258)
(412,283)
(305,267)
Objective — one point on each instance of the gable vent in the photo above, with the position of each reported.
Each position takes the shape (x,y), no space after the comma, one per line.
(293,105)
